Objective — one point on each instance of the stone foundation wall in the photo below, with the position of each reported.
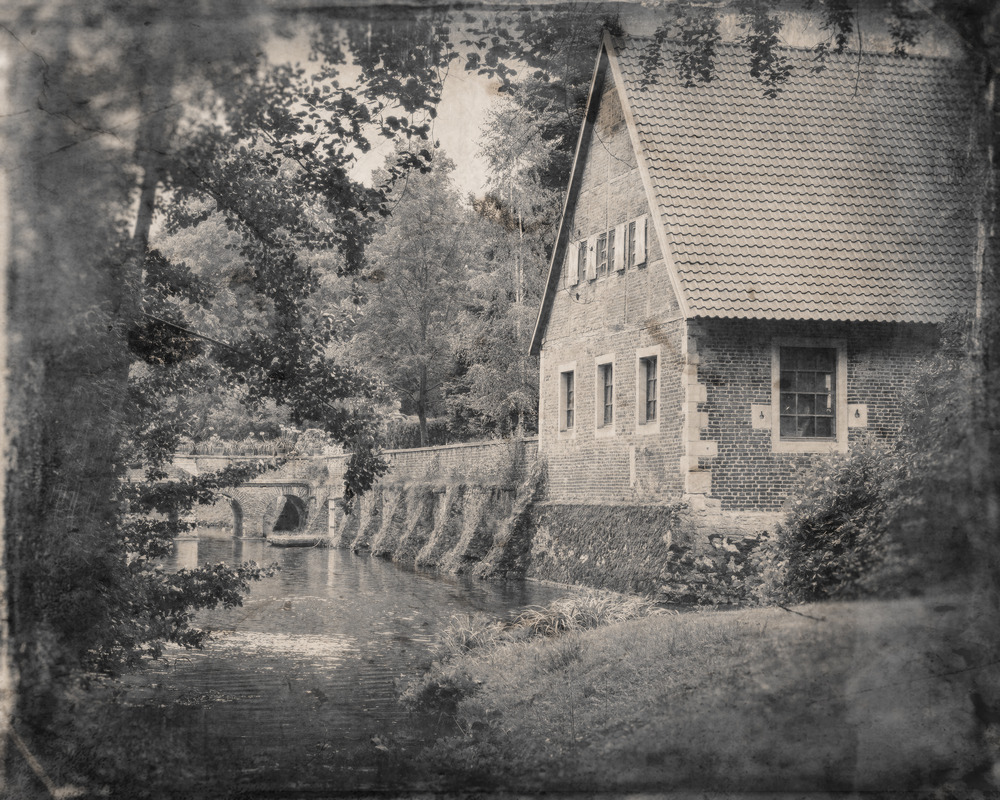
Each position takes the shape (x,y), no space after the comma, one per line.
(623,548)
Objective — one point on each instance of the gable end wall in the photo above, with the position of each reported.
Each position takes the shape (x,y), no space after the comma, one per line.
(618,314)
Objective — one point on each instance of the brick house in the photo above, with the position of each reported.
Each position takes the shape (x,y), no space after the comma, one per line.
(740,283)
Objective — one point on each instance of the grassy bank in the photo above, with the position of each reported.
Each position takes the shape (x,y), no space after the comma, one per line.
(865,696)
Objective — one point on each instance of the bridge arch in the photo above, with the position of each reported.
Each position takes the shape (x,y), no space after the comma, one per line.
(292,514)
(237,508)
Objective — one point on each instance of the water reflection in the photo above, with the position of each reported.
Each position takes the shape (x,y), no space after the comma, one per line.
(309,662)
(186,553)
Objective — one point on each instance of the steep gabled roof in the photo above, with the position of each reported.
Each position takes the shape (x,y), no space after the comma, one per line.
(841,199)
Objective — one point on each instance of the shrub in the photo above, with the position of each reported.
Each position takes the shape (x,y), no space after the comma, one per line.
(589,609)
(725,574)
(403,433)
(834,541)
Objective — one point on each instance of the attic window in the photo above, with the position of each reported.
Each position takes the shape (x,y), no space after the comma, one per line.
(602,255)
(581,261)
(635,243)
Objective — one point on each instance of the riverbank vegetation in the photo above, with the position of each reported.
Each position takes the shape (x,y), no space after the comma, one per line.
(872,696)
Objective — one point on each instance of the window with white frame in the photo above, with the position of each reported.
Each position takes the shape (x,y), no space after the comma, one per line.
(567,414)
(604,415)
(648,375)
(809,396)
(647,389)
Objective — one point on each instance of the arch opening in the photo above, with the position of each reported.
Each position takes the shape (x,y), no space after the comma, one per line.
(292,516)
(237,517)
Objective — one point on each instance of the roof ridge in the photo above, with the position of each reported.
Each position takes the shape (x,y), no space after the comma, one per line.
(848,53)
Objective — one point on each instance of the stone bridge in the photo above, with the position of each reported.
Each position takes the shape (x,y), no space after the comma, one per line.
(292,498)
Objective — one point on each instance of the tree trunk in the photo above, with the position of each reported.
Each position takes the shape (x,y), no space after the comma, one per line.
(422,405)
(985,342)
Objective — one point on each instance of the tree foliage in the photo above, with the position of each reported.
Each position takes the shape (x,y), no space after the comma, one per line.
(138,122)
(415,280)
(497,390)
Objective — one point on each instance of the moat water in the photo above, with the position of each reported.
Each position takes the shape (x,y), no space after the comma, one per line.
(297,691)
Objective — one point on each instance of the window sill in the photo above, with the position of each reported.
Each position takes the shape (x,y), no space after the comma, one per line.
(809,446)
(648,428)
(605,431)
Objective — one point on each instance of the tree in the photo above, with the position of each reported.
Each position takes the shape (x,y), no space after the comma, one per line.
(498,390)
(139,115)
(418,266)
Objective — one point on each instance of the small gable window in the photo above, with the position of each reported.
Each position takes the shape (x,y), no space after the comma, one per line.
(635,243)
(602,255)
(581,261)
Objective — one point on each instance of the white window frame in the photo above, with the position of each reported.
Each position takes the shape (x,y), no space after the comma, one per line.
(839,443)
(561,429)
(601,428)
(641,425)
(603,266)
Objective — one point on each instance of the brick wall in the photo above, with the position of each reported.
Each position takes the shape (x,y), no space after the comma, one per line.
(496,458)
(735,366)
(617,314)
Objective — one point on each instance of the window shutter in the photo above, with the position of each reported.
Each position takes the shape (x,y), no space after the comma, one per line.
(620,248)
(571,259)
(591,258)
(640,240)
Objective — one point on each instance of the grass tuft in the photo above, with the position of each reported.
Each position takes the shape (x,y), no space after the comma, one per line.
(587,609)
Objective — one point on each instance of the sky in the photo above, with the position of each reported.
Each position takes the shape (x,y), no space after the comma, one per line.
(465,99)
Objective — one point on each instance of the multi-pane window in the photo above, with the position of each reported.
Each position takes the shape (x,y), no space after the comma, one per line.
(610,251)
(606,380)
(569,401)
(602,255)
(808,394)
(648,366)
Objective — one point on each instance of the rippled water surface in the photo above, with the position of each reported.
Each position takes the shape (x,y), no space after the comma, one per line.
(298,687)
